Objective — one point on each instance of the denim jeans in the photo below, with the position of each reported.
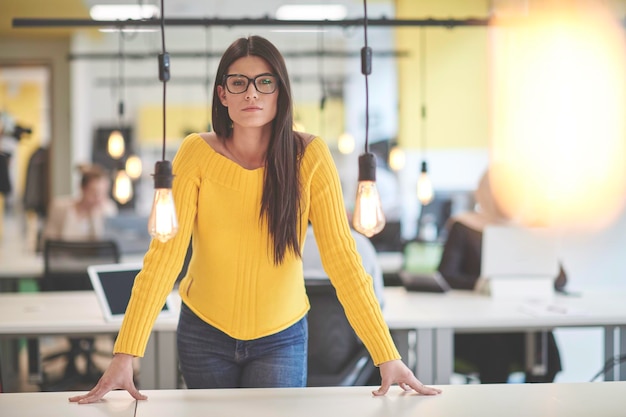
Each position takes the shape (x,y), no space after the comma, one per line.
(209,358)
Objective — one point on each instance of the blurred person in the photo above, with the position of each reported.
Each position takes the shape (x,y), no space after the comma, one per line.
(493,354)
(82,217)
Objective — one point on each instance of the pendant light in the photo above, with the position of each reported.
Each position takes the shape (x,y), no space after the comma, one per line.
(368,218)
(122,187)
(163,224)
(397,158)
(133,167)
(115,144)
(320,70)
(425,192)
(346,143)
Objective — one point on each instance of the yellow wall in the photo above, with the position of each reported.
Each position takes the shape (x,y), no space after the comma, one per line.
(456,77)
(328,123)
(182,120)
(24,102)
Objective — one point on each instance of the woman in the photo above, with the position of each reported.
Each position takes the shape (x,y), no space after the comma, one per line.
(246,193)
(82,218)
(495,355)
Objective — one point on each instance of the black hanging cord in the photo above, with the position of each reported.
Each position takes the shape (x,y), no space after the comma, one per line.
(423,88)
(320,70)
(163,169)
(164,70)
(366,69)
(367,160)
(120,87)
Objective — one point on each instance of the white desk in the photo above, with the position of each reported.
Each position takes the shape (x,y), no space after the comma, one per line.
(17,264)
(436,317)
(78,313)
(433,317)
(56,404)
(513,400)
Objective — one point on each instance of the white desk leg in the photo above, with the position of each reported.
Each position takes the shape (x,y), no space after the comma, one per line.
(444,356)
(167,360)
(416,349)
(148,365)
(536,353)
(159,365)
(621,350)
(425,356)
(614,344)
(9,375)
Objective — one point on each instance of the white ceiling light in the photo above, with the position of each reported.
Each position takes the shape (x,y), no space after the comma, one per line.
(123,11)
(311,12)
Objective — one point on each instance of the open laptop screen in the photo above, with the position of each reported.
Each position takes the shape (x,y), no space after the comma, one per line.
(518,252)
(113,285)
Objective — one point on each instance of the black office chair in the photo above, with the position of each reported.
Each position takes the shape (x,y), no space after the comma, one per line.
(336,356)
(65,269)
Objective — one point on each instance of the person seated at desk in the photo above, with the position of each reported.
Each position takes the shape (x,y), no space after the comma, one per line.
(82,217)
(493,354)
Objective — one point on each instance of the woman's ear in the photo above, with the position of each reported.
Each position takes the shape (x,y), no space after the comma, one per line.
(221,93)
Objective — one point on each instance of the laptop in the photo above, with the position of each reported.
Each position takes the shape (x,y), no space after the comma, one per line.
(519,261)
(113,284)
(419,268)
(424,281)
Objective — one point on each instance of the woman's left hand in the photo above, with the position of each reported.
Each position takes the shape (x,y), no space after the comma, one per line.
(396,372)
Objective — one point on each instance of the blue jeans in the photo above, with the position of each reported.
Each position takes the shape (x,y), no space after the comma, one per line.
(209,358)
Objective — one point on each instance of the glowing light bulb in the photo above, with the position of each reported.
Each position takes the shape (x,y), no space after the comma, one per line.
(425,192)
(134,167)
(558,146)
(368,218)
(163,224)
(115,145)
(397,158)
(346,143)
(122,188)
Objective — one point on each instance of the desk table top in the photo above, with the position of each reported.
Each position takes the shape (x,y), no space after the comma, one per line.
(54,313)
(469,311)
(513,400)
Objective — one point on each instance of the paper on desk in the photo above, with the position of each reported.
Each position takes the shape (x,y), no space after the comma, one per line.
(550,309)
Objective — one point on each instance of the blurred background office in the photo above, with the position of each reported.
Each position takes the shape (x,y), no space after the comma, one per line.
(430,99)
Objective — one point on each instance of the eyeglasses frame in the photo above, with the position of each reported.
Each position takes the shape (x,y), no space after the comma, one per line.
(250,80)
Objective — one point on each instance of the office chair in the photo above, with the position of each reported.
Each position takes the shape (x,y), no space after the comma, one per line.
(389,239)
(336,356)
(65,269)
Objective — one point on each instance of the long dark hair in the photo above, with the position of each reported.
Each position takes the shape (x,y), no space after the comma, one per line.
(280,203)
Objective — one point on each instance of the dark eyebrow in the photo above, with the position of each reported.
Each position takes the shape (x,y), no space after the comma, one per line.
(258,75)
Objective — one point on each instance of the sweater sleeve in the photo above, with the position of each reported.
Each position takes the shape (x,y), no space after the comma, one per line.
(164,260)
(340,258)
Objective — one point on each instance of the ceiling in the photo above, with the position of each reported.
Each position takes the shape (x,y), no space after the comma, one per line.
(174,8)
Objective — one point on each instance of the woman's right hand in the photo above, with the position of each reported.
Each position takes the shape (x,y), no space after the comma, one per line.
(119,375)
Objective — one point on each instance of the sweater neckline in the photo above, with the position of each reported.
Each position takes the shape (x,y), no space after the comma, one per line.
(225,160)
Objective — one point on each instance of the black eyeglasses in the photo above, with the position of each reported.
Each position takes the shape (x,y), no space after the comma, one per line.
(239,83)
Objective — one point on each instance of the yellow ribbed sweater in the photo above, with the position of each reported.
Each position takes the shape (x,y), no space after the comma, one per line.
(231,282)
